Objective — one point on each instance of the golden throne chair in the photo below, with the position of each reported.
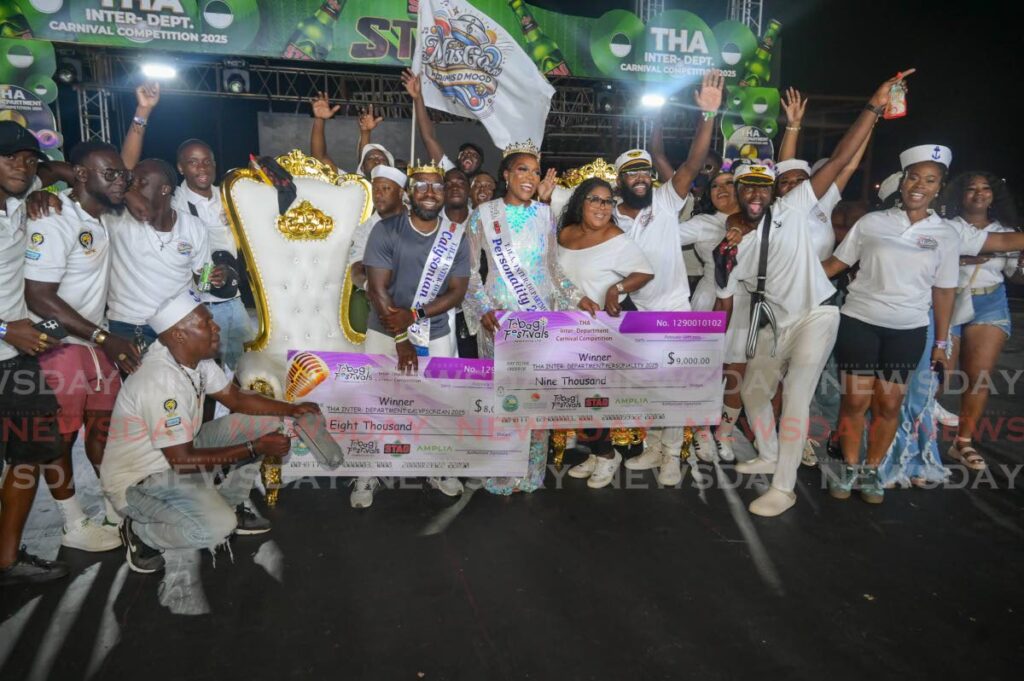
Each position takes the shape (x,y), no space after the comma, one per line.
(297,265)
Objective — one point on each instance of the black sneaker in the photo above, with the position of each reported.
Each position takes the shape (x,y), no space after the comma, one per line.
(29,569)
(141,557)
(248,522)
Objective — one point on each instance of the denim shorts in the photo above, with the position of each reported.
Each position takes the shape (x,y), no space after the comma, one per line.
(990,309)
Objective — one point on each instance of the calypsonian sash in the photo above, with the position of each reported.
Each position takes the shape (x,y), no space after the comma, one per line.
(510,268)
(435,272)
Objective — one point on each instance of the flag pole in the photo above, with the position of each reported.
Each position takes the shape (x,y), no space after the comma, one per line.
(412,136)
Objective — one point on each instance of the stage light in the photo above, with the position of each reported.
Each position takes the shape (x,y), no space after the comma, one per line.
(235,77)
(159,71)
(69,71)
(652,101)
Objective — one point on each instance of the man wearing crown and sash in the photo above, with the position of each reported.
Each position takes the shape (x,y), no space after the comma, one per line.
(518,236)
(417,269)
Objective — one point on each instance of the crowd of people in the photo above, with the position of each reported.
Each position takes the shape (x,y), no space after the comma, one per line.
(120,312)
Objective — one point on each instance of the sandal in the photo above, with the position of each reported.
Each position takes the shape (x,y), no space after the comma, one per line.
(967,455)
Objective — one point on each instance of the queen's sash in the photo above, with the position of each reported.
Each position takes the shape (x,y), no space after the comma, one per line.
(511,270)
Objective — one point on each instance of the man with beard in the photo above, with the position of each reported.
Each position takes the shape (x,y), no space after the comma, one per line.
(471,156)
(651,219)
(388,185)
(417,269)
(66,279)
(793,327)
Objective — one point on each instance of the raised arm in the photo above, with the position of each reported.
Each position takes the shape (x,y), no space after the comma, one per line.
(855,136)
(412,84)
(147,96)
(322,112)
(708,99)
(368,122)
(658,155)
(850,168)
(794,104)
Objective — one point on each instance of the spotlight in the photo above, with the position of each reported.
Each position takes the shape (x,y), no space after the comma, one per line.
(235,77)
(652,101)
(69,71)
(605,99)
(159,71)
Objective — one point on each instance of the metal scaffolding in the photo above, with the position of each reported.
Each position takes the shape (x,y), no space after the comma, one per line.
(94,113)
(749,12)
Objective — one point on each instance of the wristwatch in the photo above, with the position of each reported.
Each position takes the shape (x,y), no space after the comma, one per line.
(619,287)
(99,336)
(421,313)
(877,110)
(139,121)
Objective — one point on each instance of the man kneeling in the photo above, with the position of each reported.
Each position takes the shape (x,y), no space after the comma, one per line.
(162,463)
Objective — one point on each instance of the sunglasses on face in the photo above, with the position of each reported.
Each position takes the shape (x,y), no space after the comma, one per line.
(640,172)
(421,187)
(599,201)
(112,174)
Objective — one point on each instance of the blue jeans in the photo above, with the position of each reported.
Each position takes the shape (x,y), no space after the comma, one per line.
(991,309)
(235,330)
(173,510)
(141,334)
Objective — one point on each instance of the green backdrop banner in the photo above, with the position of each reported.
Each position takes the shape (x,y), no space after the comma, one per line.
(673,46)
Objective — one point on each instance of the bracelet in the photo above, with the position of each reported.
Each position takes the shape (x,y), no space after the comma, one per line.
(401,337)
(708,115)
(620,288)
(877,110)
(3,329)
(139,121)
(793,128)
(941,344)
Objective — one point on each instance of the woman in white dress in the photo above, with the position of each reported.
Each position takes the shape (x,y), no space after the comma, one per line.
(606,265)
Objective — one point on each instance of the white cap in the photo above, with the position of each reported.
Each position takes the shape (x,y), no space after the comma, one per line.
(747,173)
(889,186)
(792,164)
(379,147)
(173,310)
(633,158)
(389,173)
(818,164)
(935,153)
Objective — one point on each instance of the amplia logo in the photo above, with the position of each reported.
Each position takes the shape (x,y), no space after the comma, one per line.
(462,58)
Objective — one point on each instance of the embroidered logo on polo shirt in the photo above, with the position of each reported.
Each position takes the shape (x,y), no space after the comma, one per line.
(36,238)
(927,242)
(170,404)
(185,248)
(34,241)
(85,238)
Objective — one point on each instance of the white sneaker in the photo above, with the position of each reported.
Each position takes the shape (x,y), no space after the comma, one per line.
(809,457)
(89,535)
(651,458)
(704,447)
(604,471)
(772,503)
(669,474)
(725,452)
(450,487)
(945,417)
(362,492)
(755,466)
(583,470)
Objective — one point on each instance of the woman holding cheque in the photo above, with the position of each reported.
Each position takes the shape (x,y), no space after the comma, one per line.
(517,234)
(606,264)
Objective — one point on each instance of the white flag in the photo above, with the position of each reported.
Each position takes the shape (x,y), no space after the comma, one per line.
(470,66)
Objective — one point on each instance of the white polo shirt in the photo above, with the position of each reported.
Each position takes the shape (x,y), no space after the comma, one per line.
(990,272)
(796,282)
(819,223)
(147,267)
(660,237)
(72,249)
(211,213)
(160,405)
(900,262)
(13,217)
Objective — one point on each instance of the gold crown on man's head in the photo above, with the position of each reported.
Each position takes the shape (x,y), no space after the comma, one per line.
(527,147)
(425,168)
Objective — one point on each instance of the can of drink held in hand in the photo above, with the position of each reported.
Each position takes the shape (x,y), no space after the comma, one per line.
(204,277)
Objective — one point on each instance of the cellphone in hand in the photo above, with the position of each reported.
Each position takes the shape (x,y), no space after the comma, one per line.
(52,328)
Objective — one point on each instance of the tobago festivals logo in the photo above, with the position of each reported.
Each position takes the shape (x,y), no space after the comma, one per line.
(462,57)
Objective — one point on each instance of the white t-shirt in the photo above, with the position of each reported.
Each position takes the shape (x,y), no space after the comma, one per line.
(597,268)
(796,282)
(211,213)
(72,248)
(900,262)
(160,405)
(990,273)
(13,217)
(660,237)
(360,237)
(709,231)
(819,223)
(147,267)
